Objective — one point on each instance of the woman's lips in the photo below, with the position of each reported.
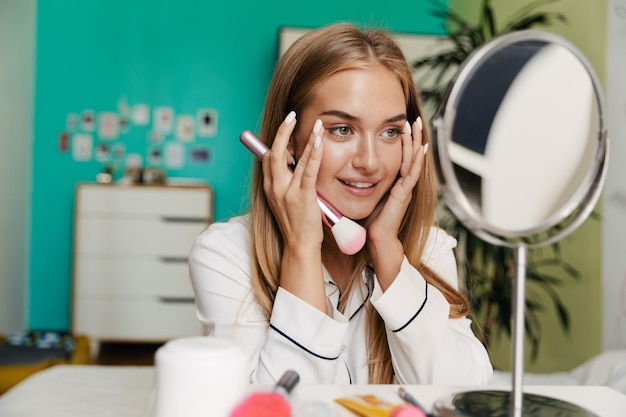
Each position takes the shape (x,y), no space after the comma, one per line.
(359,188)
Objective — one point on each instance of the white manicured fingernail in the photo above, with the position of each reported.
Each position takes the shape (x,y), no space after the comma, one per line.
(317,142)
(419,123)
(425,148)
(408,127)
(290,117)
(317,127)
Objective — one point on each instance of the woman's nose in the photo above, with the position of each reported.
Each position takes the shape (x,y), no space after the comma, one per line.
(365,156)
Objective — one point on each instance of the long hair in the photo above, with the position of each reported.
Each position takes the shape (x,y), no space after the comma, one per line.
(313,58)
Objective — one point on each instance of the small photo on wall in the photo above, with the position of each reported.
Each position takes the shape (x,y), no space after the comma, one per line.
(103,152)
(88,121)
(118,151)
(207,122)
(200,155)
(154,156)
(71,122)
(108,125)
(140,114)
(82,147)
(63,142)
(124,124)
(163,120)
(185,129)
(174,155)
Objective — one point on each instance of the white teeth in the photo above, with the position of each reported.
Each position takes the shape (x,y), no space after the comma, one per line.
(359,184)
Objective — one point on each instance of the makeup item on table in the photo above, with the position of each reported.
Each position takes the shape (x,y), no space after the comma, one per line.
(199,376)
(349,235)
(273,403)
(372,406)
(315,408)
(406,396)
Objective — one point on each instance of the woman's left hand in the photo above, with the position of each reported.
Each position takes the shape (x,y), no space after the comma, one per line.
(382,231)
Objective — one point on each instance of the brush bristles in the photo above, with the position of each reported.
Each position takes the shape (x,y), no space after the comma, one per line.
(349,235)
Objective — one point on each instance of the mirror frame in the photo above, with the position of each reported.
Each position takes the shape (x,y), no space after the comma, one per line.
(570,215)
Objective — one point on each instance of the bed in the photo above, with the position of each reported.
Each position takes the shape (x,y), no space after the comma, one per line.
(606,369)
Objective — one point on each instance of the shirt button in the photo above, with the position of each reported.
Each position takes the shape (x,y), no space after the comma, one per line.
(343,348)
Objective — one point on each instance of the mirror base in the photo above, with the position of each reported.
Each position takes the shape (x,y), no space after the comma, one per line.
(496,403)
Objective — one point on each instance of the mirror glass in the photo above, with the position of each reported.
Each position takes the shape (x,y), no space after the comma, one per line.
(520,141)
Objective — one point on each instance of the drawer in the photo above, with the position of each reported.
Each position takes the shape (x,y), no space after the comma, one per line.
(131,237)
(145,200)
(108,276)
(140,319)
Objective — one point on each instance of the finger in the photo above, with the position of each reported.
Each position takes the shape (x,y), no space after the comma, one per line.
(417,135)
(419,149)
(408,181)
(309,164)
(407,150)
(278,154)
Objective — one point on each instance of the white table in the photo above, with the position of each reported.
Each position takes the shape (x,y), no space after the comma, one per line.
(126,391)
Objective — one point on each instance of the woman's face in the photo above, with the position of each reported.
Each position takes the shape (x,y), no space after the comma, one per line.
(364,116)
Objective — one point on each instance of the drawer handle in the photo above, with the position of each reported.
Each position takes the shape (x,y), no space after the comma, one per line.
(174,219)
(177,300)
(174,259)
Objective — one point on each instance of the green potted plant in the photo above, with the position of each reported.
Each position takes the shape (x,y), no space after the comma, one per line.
(487,269)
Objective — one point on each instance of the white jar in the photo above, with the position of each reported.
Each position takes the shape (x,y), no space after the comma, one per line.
(199,377)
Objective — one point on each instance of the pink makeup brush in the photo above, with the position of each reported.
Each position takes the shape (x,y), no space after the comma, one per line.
(274,403)
(349,235)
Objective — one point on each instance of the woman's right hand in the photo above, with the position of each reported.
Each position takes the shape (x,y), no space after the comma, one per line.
(292,198)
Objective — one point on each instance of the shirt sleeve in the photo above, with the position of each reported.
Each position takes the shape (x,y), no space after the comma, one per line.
(427,346)
(297,336)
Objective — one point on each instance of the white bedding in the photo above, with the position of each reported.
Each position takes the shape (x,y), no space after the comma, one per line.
(48,391)
(606,369)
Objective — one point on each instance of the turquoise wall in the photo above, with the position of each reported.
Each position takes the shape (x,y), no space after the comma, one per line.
(183,54)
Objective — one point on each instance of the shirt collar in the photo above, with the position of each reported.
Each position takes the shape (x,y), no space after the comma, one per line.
(359,295)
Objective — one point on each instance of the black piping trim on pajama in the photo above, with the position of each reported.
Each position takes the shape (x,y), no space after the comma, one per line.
(348,370)
(418,310)
(339,297)
(328,358)
(367,297)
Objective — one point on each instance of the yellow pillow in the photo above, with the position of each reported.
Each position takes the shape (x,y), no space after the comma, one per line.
(10,374)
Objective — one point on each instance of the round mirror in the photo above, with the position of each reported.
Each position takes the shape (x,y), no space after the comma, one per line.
(520,147)
(520,140)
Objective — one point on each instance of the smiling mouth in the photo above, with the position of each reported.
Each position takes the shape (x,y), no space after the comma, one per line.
(358,184)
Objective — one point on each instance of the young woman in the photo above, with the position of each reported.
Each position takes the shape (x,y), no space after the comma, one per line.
(342,119)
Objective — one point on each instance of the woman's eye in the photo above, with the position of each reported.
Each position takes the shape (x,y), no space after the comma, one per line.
(393,133)
(340,130)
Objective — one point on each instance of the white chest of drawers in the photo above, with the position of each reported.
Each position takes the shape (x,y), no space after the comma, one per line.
(130,272)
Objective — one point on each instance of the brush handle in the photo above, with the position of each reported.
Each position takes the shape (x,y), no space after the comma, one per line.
(258,149)
(269,404)
(287,382)
(253,144)
(331,215)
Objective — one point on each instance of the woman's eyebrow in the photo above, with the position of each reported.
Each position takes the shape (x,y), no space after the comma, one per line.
(341,114)
(398,118)
(348,116)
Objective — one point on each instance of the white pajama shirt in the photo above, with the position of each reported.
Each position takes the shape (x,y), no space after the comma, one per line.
(427,347)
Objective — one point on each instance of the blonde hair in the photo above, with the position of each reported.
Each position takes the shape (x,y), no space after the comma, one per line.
(310,60)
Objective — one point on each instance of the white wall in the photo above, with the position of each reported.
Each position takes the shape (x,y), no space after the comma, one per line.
(614,233)
(17,34)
